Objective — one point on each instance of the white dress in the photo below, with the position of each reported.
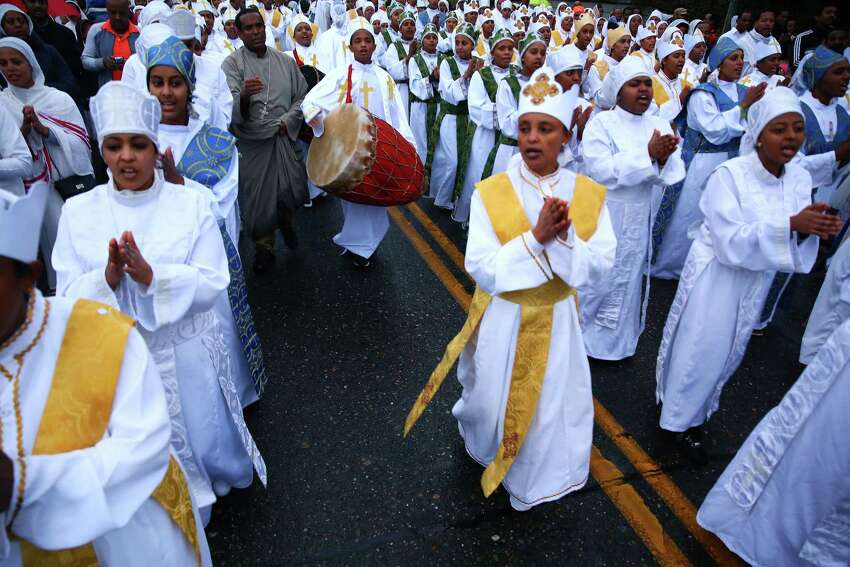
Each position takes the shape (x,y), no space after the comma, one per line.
(832,306)
(100,495)
(718,128)
(555,456)
(615,154)
(743,241)
(372,88)
(422,88)
(444,164)
(397,68)
(179,237)
(784,500)
(508,116)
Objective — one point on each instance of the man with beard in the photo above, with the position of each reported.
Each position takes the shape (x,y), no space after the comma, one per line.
(267,89)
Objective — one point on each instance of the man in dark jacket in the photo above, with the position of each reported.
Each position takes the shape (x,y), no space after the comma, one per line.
(56,35)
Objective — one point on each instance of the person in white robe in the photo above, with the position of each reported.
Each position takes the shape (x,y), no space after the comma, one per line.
(332,48)
(617,45)
(716,121)
(526,410)
(303,42)
(634,154)
(152,248)
(208,161)
(453,143)
(569,70)
(784,500)
(57,503)
(832,307)
(483,88)
(54,132)
(398,55)
(646,39)
(227,41)
(424,92)
(766,66)
(760,34)
(371,88)
(695,70)
(15,156)
(532,57)
(669,90)
(758,219)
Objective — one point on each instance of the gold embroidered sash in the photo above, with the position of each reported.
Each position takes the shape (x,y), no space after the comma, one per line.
(536,315)
(77,413)
(659,94)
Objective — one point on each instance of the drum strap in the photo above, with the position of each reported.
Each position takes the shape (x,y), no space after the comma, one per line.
(348,85)
(534,336)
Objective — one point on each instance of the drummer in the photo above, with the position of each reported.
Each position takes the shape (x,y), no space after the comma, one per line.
(536,233)
(367,85)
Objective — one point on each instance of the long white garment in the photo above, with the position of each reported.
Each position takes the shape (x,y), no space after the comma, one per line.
(482,112)
(692,72)
(507,114)
(784,500)
(222,44)
(99,495)
(397,68)
(15,157)
(669,109)
(372,88)
(224,209)
(555,456)
(332,51)
(743,241)
(422,88)
(832,307)
(718,128)
(444,165)
(615,154)
(179,237)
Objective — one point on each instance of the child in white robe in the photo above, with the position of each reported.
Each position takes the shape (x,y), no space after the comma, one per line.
(176,272)
(617,44)
(424,92)
(757,221)
(766,69)
(538,449)
(634,154)
(398,55)
(373,89)
(695,68)
(58,500)
(669,91)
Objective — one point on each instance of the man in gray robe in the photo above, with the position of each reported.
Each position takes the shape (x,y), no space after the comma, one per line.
(267,89)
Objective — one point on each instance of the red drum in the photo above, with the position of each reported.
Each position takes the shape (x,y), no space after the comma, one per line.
(362,159)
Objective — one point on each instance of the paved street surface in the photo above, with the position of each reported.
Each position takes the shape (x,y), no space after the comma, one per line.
(347,353)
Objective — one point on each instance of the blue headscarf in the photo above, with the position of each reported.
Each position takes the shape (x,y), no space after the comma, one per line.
(817,64)
(724,47)
(173,53)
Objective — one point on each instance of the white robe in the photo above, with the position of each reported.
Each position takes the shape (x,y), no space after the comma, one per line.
(784,500)
(832,307)
(743,241)
(397,68)
(365,226)
(444,165)
(102,494)
(507,113)
(15,157)
(827,117)
(307,55)
(422,88)
(555,456)
(718,128)
(332,51)
(756,77)
(692,72)
(670,109)
(178,235)
(482,112)
(615,154)
(592,85)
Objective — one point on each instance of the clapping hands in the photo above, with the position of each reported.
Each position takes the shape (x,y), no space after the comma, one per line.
(126,258)
(553,221)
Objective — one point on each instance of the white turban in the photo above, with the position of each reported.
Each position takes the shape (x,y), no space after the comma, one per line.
(628,69)
(120,108)
(775,102)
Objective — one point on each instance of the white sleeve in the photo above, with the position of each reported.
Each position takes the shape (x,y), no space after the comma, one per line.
(481,110)
(15,157)
(580,262)
(453,92)
(73,498)
(506,111)
(397,68)
(717,127)
(419,86)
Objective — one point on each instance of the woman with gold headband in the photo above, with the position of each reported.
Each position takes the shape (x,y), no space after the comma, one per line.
(537,233)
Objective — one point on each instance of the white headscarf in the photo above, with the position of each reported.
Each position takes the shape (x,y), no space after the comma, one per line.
(152,34)
(120,108)
(628,69)
(775,102)
(155,11)
(5,9)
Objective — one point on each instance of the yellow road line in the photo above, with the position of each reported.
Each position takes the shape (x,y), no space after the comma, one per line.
(624,497)
(442,240)
(659,481)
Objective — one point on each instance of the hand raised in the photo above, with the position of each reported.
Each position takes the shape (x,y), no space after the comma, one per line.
(169,168)
(114,265)
(134,263)
(816,219)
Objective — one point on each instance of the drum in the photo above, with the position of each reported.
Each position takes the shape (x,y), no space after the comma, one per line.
(362,159)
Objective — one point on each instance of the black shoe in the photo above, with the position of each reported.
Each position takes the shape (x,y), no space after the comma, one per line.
(360,261)
(692,447)
(290,238)
(263,261)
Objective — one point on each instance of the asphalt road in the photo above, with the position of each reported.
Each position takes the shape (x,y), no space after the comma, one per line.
(347,353)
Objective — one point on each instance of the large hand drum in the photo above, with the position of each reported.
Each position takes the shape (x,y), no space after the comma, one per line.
(365,160)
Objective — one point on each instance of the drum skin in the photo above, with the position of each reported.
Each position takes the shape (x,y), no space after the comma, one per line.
(363,159)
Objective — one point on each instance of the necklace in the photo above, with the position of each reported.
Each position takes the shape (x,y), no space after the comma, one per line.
(265,109)
(16,398)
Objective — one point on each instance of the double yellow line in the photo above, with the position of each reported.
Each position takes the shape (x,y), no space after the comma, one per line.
(626,499)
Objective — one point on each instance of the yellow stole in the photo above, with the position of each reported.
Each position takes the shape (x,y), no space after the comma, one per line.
(601,68)
(536,314)
(659,93)
(77,412)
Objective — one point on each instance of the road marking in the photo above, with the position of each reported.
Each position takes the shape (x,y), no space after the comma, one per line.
(651,471)
(624,497)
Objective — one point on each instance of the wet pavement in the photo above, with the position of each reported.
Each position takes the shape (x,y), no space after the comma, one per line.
(348,351)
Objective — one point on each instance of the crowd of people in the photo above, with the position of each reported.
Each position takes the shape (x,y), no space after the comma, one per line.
(582,153)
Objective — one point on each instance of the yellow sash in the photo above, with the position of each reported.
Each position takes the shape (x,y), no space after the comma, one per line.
(77,412)
(536,314)
(601,68)
(659,94)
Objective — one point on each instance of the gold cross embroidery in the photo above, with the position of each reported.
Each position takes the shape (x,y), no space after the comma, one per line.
(314,61)
(343,90)
(365,89)
(390,87)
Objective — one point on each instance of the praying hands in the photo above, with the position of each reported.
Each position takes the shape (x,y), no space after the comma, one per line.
(125,257)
